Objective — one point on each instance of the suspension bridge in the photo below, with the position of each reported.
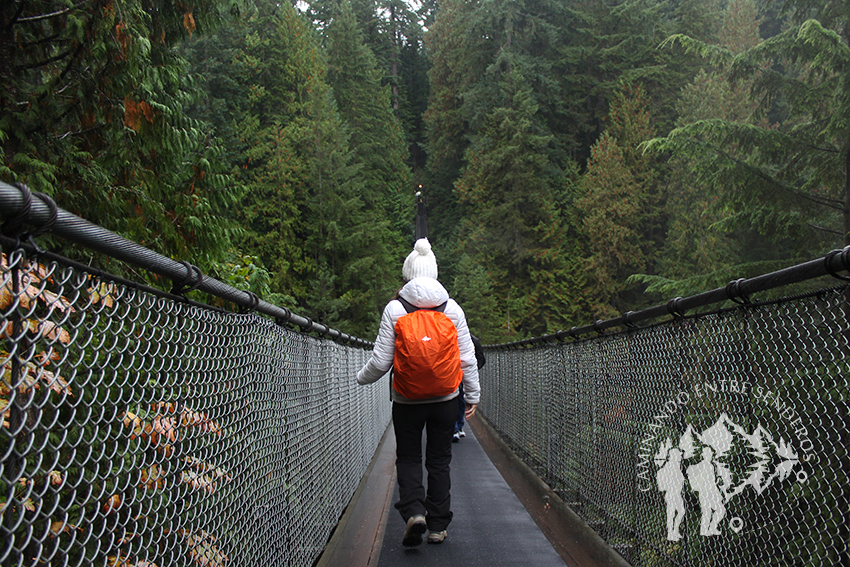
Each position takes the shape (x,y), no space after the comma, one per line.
(143,428)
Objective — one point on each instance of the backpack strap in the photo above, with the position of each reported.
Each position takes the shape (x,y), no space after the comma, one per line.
(410,308)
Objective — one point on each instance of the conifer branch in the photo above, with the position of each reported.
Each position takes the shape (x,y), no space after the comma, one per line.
(48,39)
(674,141)
(38,18)
(77,132)
(44,62)
(824,229)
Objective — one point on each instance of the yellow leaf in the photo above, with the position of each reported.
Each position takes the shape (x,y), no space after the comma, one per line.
(57,528)
(28,380)
(119,561)
(56,478)
(46,329)
(198,481)
(6,296)
(132,114)
(31,379)
(166,427)
(202,549)
(208,468)
(200,420)
(152,477)
(112,504)
(147,111)
(140,428)
(189,22)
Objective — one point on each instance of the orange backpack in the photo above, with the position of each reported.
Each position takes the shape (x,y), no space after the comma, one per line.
(427,357)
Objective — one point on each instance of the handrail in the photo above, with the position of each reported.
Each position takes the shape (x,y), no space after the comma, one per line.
(38,210)
(736,290)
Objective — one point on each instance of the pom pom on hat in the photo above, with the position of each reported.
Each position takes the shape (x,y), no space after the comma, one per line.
(421,262)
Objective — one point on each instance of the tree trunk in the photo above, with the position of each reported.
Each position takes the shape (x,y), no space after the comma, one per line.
(847,196)
(8,12)
(394,58)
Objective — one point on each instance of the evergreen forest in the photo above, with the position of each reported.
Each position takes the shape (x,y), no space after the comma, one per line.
(578,158)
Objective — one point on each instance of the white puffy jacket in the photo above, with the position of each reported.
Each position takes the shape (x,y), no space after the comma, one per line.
(422,292)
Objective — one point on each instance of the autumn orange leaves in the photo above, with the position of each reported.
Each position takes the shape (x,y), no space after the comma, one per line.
(93,447)
(163,425)
(31,311)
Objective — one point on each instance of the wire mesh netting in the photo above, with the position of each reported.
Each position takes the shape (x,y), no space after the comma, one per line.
(718,439)
(138,430)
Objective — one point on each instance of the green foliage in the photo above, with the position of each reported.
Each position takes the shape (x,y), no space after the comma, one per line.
(474,289)
(376,136)
(618,195)
(516,191)
(285,146)
(390,30)
(313,138)
(246,273)
(449,48)
(702,248)
(91,113)
(571,59)
(785,179)
(756,177)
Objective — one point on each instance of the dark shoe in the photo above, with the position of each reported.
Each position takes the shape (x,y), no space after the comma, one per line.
(437,537)
(416,526)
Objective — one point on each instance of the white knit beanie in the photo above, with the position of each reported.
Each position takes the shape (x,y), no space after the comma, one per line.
(421,262)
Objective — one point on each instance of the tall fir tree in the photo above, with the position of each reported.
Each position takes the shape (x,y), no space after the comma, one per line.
(451,49)
(619,197)
(376,134)
(321,212)
(278,67)
(517,229)
(471,45)
(705,247)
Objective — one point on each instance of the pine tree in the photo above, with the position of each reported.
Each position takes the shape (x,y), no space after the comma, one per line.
(320,212)
(471,45)
(703,251)
(517,229)
(619,195)
(452,49)
(376,135)
(611,42)
(275,63)
(474,289)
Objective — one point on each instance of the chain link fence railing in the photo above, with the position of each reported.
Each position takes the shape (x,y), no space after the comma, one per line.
(714,439)
(140,430)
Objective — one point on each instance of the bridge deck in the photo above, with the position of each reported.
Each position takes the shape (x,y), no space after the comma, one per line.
(492,525)
(491,528)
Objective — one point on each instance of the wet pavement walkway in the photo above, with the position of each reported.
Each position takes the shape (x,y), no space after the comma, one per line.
(504,516)
(490,528)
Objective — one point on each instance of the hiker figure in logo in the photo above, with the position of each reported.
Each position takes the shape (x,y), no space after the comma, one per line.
(703,478)
(671,482)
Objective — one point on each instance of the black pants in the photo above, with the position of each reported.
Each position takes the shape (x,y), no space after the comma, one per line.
(438,421)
